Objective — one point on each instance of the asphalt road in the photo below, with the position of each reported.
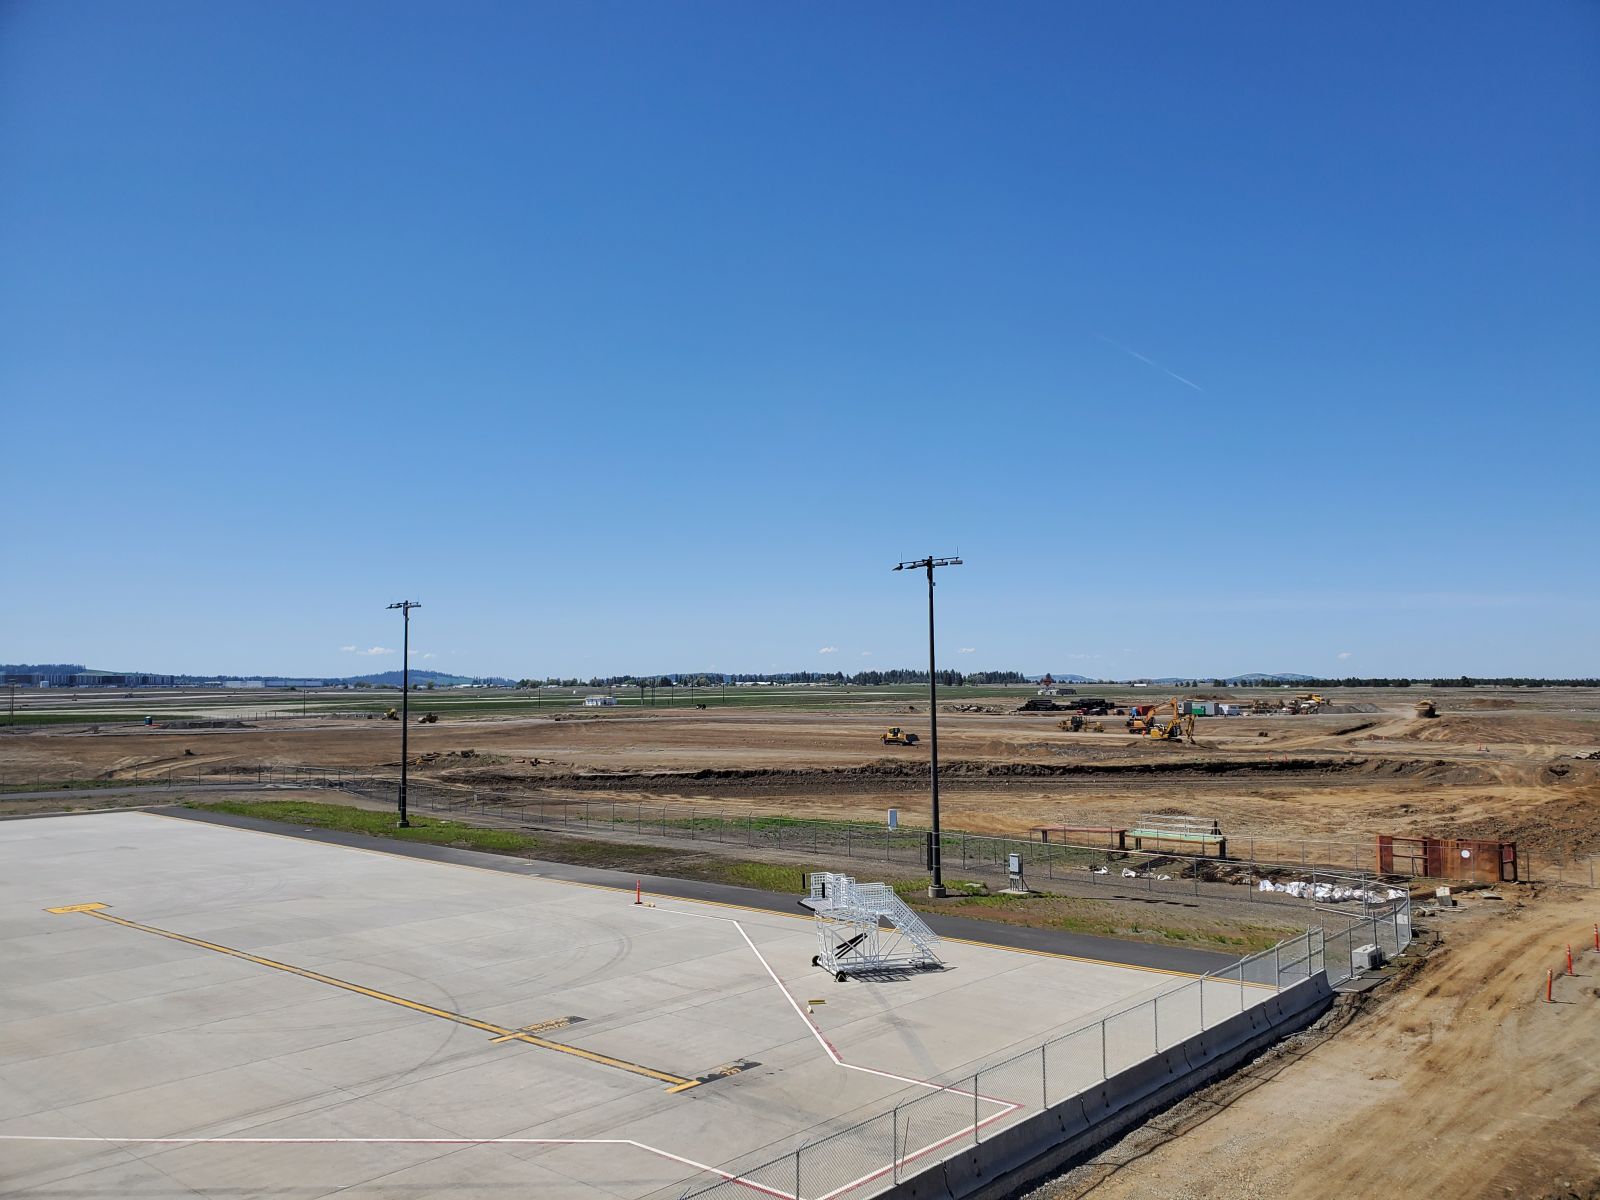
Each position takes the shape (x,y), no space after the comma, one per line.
(1043,941)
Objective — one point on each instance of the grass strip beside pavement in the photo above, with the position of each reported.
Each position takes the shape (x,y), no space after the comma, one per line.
(1174,925)
(648,860)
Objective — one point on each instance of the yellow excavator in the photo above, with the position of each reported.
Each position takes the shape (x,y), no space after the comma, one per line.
(1144,723)
(1180,727)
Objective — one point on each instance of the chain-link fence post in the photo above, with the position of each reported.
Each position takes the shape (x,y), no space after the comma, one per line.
(894,1146)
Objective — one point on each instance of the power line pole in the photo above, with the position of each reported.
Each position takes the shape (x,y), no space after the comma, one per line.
(936,889)
(405,607)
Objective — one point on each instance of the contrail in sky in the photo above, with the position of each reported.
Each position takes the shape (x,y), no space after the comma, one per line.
(1151,361)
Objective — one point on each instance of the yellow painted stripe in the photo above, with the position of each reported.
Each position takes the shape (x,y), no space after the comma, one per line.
(502,1033)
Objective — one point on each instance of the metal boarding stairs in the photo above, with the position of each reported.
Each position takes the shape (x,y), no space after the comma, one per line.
(863,928)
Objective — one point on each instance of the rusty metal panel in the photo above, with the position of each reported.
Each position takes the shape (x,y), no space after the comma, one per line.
(1476,860)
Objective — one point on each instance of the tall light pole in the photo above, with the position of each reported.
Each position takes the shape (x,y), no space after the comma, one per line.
(405,607)
(936,888)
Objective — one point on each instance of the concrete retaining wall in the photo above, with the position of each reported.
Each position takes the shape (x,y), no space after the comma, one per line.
(1047,1142)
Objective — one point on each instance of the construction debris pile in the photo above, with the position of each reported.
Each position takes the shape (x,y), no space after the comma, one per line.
(1329,893)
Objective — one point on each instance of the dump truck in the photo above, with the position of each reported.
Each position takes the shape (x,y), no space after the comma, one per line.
(896,736)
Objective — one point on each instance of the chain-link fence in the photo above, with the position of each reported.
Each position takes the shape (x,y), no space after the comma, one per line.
(1345,912)
(261,774)
(960,851)
(979,857)
(1575,870)
(941,1119)
(1386,925)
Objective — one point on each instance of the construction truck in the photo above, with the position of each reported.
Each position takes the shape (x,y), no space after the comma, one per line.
(428,719)
(391,714)
(899,737)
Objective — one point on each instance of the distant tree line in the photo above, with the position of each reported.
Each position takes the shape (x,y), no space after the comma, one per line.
(831,678)
(1462,681)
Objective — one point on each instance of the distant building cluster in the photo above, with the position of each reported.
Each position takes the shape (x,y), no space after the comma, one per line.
(107,679)
(87,679)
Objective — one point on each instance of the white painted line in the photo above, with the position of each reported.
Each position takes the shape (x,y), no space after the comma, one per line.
(346,1141)
(816,1031)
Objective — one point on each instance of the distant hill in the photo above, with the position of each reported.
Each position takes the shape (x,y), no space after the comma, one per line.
(394,678)
(1254,679)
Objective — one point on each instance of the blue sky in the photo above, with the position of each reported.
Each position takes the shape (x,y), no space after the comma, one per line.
(1216,338)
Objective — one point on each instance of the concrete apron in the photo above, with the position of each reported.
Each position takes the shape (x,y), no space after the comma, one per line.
(1044,1144)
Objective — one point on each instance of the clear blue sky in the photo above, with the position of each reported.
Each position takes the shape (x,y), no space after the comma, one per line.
(640,336)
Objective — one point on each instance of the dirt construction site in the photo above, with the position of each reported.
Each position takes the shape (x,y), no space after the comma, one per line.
(1467,1067)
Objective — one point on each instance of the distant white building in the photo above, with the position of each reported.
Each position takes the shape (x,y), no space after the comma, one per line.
(599,701)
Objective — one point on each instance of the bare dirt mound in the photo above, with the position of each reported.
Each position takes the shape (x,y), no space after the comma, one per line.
(1544,729)
(913,774)
(1468,1033)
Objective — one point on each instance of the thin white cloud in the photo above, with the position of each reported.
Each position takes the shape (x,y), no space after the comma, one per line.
(866,654)
(1344,654)
(374,651)
(348,649)
(829,650)
(1152,362)
(967,650)
(427,656)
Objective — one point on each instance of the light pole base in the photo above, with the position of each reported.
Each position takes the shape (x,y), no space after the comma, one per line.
(404,824)
(937,891)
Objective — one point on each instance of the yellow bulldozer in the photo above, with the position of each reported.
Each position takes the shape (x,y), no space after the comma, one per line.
(895,736)
(1076,724)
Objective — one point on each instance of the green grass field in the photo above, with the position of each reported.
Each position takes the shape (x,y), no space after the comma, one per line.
(70,718)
